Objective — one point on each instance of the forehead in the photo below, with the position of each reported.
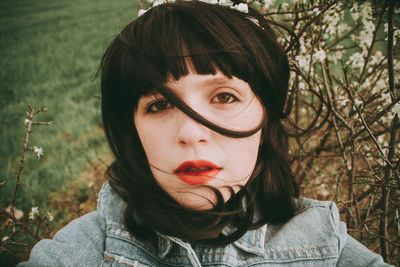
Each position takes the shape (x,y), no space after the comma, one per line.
(192,76)
(193,80)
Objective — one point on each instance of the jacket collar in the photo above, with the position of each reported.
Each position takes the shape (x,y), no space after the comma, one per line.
(252,241)
(111,206)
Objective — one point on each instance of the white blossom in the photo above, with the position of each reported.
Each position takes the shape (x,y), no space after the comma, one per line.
(38,151)
(354,7)
(355,14)
(141,12)
(284,5)
(396,109)
(386,98)
(342,28)
(366,35)
(380,139)
(355,84)
(225,2)
(303,61)
(159,2)
(267,3)
(34,211)
(333,18)
(365,39)
(302,46)
(366,10)
(376,58)
(320,55)
(210,1)
(369,26)
(385,150)
(281,40)
(358,103)
(387,118)
(342,101)
(5,238)
(356,60)
(335,56)
(367,84)
(316,11)
(27,121)
(50,217)
(242,7)
(381,84)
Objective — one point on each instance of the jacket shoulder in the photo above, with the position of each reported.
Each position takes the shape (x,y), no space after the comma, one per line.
(79,243)
(315,232)
(110,205)
(82,241)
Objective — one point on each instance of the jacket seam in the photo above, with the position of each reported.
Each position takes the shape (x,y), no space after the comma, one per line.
(113,260)
(271,253)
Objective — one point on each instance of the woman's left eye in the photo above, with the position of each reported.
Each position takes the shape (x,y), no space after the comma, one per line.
(224,98)
(158,106)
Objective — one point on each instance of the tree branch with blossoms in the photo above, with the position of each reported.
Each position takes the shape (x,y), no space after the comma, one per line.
(345,69)
(15,223)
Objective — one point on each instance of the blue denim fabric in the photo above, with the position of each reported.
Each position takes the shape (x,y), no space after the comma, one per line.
(314,237)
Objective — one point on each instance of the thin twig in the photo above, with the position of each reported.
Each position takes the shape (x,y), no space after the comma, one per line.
(308,24)
(362,119)
(376,235)
(21,165)
(371,46)
(393,142)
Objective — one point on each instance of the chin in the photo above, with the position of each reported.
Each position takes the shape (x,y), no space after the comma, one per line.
(203,198)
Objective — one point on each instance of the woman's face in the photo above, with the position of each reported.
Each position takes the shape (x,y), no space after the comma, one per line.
(183,154)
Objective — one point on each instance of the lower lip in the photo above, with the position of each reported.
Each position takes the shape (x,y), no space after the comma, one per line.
(198,177)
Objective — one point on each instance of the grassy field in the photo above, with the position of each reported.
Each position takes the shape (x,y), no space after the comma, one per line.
(50,53)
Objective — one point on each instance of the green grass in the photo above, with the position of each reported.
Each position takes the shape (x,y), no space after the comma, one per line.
(50,52)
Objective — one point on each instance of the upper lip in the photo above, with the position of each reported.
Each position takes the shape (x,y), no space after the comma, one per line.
(196,166)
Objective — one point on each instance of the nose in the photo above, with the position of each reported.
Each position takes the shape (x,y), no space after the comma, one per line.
(190,132)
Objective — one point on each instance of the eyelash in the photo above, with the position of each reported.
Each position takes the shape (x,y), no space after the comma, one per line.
(232,98)
(152,107)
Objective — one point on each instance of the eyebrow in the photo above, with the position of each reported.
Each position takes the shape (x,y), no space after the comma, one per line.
(216,81)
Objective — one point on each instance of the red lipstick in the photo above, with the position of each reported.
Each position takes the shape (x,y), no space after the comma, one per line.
(196,172)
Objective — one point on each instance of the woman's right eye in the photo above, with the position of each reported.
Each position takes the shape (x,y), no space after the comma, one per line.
(158,106)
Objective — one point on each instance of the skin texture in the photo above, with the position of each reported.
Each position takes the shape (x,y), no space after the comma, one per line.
(170,137)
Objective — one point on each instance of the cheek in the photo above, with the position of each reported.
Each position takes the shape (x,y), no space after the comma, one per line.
(243,154)
(149,143)
(152,134)
(149,137)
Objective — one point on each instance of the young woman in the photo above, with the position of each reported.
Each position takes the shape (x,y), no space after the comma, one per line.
(192,100)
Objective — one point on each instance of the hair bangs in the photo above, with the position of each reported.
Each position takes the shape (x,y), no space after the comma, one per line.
(174,41)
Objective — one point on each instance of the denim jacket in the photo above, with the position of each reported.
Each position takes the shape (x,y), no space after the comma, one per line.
(313,237)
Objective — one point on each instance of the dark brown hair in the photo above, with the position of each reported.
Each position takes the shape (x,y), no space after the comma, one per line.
(211,37)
